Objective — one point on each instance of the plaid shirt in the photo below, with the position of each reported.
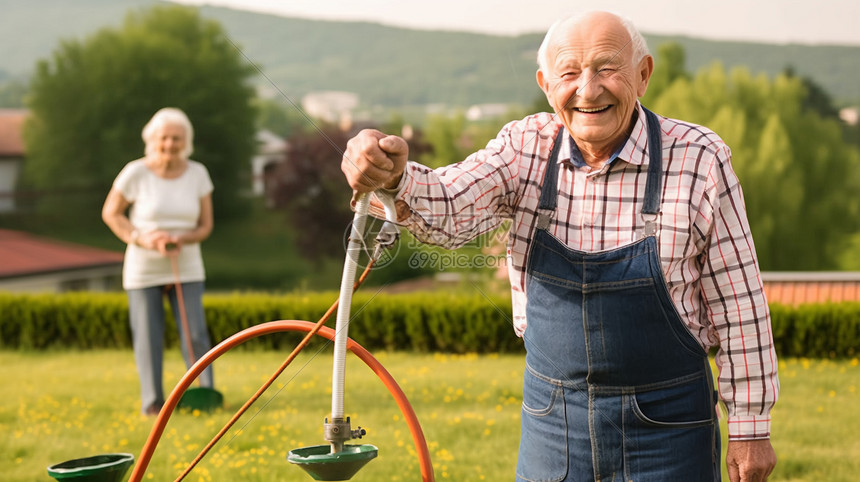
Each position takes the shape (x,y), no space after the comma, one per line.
(706,248)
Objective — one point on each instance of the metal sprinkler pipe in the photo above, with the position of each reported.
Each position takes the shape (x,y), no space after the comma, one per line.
(338,430)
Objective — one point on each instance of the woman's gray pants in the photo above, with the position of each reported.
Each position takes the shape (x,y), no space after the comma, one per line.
(146,315)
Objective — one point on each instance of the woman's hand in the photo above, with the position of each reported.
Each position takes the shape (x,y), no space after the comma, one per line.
(160,241)
(172,247)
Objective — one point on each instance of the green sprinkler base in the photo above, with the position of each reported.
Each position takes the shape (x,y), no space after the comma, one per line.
(201,398)
(321,464)
(98,468)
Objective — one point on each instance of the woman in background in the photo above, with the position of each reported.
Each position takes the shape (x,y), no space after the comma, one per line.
(170,201)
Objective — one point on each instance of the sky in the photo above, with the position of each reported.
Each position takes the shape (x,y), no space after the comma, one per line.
(771,21)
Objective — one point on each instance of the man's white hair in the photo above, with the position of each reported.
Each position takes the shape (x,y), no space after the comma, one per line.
(637,41)
(168,116)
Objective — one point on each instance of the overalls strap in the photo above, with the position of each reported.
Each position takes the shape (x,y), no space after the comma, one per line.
(653,186)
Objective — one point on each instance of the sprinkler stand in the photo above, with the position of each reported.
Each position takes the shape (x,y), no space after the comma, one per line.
(339,431)
(338,461)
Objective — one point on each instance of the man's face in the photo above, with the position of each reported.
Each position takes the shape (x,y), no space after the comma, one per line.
(592,81)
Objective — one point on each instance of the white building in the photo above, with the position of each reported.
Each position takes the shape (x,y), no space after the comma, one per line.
(330,106)
(271,150)
(11,155)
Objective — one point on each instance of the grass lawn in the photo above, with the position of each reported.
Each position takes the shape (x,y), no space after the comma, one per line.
(63,405)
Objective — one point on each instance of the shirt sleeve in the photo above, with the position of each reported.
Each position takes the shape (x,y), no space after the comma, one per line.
(204,181)
(737,309)
(450,206)
(126,181)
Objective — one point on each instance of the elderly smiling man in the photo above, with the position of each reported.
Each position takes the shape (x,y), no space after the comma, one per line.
(630,257)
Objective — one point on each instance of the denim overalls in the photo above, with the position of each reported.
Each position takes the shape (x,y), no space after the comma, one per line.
(616,388)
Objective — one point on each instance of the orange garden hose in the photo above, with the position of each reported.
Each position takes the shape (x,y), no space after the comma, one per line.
(275,327)
(170,405)
(180,300)
(268,383)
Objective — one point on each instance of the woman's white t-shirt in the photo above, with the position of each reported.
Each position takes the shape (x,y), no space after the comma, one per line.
(171,205)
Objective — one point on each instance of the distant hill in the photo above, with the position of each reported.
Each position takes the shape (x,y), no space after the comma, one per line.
(392,66)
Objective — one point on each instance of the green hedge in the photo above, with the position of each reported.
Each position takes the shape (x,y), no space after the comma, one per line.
(421,322)
(828,330)
(424,322)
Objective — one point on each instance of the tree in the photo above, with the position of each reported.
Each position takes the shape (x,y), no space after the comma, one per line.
(800,178)
(451,139)
(12,93)
(309,187)
(539,104)
(282,120)
(817,99)
(669,66)
(91,99)
(447,136)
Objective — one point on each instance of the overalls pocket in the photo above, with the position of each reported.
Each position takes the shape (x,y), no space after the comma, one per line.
(686,405)
(543,450)
(677,423)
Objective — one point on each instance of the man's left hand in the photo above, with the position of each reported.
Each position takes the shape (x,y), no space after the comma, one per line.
(750,460)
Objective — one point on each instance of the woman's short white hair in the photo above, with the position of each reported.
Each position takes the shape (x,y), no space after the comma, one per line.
(637,41)
(168,116)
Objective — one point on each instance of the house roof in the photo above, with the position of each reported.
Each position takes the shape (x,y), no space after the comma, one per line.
(796,288)
(11,132)
(24,254)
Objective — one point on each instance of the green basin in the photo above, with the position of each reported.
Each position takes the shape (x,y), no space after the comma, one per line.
(201,398)
(321,464)
(98,468)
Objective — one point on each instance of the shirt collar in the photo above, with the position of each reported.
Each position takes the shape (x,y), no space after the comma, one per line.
(633,150)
